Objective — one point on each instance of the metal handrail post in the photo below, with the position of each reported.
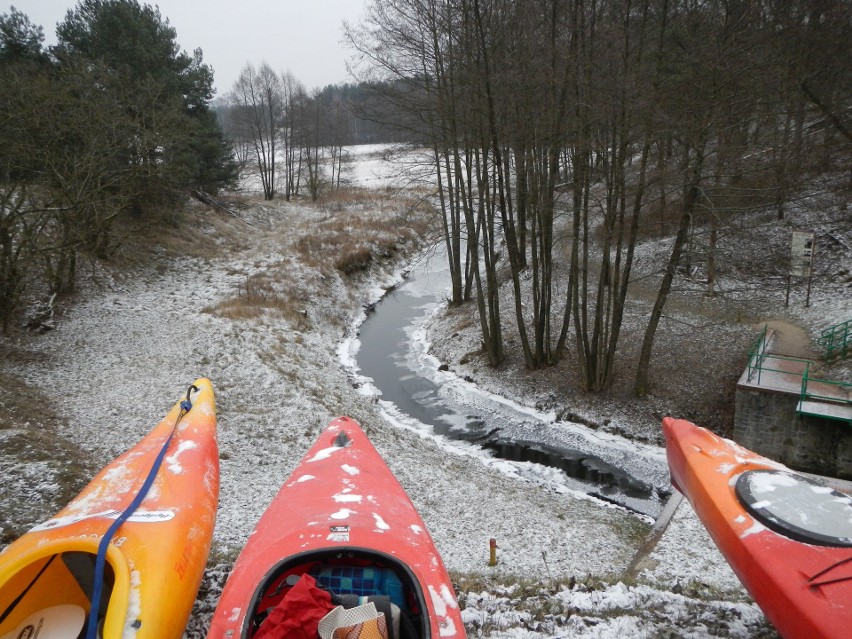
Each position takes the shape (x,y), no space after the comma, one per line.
(803,394)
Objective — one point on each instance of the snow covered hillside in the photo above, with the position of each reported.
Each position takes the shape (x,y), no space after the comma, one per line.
(259,307)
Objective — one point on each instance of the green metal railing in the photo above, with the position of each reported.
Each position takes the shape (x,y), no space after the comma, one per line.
(822,391)
(759,353)
(835,340)
(762,367)
(756,354)
(842,396)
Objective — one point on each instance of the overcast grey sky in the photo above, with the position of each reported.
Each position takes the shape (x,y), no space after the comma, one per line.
(302,36)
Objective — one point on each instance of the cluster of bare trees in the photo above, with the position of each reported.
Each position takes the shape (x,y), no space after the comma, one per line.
(564,130)
(289,139)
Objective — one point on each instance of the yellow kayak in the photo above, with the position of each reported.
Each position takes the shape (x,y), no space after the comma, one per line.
(150,513)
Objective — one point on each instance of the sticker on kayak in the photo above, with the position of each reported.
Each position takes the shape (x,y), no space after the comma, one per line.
(797,507)
(140,516)
(339,534)
(56,622)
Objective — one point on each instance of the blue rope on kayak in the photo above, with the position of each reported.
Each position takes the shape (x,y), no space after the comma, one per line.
(91,632)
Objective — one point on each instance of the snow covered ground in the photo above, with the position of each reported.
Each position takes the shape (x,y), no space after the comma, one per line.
(121,356)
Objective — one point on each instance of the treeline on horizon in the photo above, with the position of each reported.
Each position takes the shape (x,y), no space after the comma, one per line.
(292,141)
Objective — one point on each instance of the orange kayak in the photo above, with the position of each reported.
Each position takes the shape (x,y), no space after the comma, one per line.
(344,524)
(154,561)
(787,536)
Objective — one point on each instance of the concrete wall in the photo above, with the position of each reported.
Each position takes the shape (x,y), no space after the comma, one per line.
(766,422)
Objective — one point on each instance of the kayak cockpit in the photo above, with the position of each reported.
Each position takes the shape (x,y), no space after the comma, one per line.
(803,509)
(352,576)
(53,592)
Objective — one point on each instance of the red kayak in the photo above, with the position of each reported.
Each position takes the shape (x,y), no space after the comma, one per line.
(340,531)
(787,537)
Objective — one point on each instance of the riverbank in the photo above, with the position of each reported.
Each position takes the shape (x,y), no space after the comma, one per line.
(701,346)
(261,309)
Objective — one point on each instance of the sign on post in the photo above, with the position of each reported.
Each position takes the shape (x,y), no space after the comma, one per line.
(801,253)
(801,261)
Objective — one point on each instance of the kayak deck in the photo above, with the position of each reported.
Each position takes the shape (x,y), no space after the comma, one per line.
(343,519)
(787,537)
(129,551)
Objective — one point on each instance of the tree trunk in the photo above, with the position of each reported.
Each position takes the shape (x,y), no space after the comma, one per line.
(691,195)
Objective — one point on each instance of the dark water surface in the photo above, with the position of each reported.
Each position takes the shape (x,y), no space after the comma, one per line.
(586,460)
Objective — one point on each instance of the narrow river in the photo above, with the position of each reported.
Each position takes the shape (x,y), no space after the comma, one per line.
(393,362)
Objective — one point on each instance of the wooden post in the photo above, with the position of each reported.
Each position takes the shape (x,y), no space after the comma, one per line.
(492,545)
(802,248)
(787,299)
(810,277)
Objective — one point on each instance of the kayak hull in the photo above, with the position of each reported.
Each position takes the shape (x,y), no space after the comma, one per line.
(156,558)
(802,584)
(341,505)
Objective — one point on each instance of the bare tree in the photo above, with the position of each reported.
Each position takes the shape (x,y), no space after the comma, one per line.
(258,108)
(409,52)
(311,127)
(294,97)
(238,134)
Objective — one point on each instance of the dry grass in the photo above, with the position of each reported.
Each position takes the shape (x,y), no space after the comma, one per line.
(362,226)
(343,233)
(256,296)
(197,232)
(353,258)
